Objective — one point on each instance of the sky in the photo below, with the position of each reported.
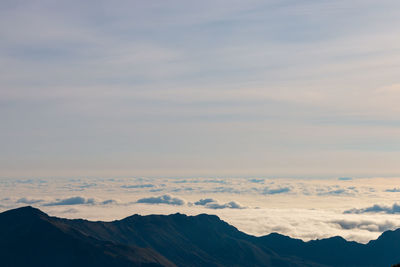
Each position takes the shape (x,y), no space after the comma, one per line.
(199,88)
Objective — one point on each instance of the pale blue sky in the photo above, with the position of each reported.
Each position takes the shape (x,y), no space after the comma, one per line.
(200,88)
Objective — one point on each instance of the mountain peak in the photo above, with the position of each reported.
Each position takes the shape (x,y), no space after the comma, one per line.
(24,211)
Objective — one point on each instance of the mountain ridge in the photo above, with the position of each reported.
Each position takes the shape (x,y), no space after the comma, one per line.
(174,240)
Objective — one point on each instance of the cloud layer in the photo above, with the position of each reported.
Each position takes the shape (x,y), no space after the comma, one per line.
(395,208)
(29,201)
(78,201)
(213,204)
(273,191)
(312,208)
(371,226)
(164,199)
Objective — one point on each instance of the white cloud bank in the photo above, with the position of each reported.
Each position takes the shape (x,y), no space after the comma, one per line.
(312,208)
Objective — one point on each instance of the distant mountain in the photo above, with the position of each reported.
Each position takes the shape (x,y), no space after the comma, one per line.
(29,237)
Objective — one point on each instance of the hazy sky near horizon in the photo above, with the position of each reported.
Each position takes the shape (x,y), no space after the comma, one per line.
(200,88)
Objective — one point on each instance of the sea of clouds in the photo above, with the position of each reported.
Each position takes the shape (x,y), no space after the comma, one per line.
(357,209)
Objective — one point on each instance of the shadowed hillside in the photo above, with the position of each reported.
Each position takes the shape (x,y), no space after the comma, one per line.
(30,237)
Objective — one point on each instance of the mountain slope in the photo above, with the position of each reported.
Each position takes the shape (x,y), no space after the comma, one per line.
(28,237)
(202,240)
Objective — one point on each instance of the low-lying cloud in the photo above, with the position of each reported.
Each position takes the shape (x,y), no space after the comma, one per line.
(78,201)
(229,205)
(71,201)
(273,191)
(29,201)
(336,191)
(164,199)
(138,186)
(365,225)
(345,178)
(255,180)
(393,190)
(72,210)
(204,201)
(395,208)
(210,203)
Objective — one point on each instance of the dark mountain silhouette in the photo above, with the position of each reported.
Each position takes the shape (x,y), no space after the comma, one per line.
(28,237)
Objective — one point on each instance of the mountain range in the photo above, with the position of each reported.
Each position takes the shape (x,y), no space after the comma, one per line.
(29,237)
